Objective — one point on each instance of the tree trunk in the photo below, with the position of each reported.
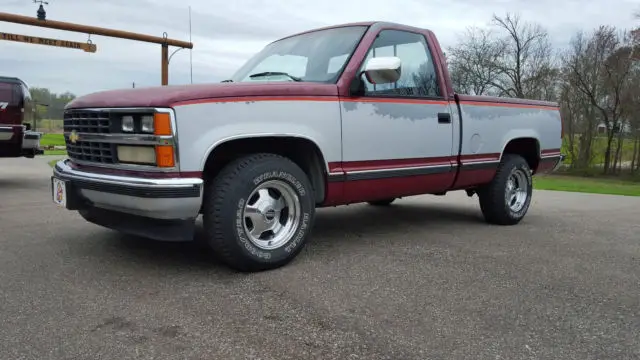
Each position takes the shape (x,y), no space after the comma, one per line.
(617,164)
(589,132)
(607,152)
(635,154)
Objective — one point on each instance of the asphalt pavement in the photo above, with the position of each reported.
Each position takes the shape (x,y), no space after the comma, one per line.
(423,279)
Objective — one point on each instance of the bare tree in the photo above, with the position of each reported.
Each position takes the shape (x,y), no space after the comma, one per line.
(474,60)
(526,67)
(600,67)
(632,102)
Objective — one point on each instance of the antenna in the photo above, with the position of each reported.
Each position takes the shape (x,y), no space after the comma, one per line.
(190,50)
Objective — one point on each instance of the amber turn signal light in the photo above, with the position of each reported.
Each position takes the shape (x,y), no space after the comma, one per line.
(162,124)
(165,156)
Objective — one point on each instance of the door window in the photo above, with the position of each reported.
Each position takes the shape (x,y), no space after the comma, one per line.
(418,77)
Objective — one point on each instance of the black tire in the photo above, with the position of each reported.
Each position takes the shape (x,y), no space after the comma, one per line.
(493,203)
(383,202)
(225,197)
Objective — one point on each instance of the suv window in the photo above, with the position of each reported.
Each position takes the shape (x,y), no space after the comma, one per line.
(418,77)
(9,94)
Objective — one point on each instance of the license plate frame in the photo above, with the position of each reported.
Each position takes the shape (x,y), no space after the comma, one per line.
(60,192)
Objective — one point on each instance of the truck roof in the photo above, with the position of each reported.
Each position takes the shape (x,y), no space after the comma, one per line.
(361,23)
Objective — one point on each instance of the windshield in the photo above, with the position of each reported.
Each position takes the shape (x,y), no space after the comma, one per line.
(318,56)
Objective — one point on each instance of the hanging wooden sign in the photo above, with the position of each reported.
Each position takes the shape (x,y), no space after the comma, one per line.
(87,47)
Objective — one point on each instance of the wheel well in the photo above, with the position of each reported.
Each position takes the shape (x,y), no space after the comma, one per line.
(528,148)
(305,153)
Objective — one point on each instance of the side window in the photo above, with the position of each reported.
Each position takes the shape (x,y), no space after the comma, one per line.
(418,77)
(17,95)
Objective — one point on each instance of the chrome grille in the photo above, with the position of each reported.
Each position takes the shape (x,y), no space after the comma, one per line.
(91,151)
(94,122)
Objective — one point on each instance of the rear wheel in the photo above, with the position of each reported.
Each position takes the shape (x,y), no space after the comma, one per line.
(258,212)
(506,200)
(383,202)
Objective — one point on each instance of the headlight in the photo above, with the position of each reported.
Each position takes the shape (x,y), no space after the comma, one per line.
(147,124)
(136,154)
(127,124)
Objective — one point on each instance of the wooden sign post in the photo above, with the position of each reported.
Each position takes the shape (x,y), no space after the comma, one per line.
(164,41)
(87,47)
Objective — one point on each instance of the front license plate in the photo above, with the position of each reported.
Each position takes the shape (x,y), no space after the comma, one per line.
(59,190)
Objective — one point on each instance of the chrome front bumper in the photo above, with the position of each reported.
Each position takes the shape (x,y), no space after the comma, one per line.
(166,199)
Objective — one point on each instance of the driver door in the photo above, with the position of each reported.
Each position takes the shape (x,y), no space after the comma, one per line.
(397,137)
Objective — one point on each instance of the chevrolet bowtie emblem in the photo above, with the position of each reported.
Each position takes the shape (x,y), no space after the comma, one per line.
(73,137)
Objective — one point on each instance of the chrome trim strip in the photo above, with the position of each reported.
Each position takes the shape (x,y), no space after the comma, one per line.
(404,168)
(113,109)
(65,171)
(130,167)
(480,162)
(125,139)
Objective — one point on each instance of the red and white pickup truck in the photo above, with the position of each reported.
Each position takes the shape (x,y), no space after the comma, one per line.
(361,112)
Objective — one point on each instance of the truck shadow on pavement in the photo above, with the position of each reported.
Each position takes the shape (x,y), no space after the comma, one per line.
(332,227)
(21,184)
(369,220)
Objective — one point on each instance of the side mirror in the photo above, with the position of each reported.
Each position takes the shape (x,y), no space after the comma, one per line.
(383,70)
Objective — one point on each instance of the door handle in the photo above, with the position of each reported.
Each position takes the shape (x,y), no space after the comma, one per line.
(444,118)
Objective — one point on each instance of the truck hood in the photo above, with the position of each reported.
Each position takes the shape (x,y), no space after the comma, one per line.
(167,96)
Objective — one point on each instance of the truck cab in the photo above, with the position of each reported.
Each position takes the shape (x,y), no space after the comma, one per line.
(16,116)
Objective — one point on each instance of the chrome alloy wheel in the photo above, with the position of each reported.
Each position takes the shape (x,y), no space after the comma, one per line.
(517,190)
(272,214)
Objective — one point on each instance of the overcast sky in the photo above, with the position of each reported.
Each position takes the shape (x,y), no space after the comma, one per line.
(226,33)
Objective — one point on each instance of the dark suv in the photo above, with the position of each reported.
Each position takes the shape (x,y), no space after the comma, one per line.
(16,115)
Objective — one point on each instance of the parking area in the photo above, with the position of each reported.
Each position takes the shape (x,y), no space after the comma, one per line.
(423,279)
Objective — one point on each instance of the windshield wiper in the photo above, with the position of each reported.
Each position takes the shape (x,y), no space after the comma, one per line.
(228,80)
(268,73)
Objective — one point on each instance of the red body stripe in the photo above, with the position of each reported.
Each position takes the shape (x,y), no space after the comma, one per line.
(404,163)
(550,152)
(356,99)
(509,105)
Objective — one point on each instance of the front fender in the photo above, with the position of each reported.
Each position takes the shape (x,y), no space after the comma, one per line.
(202,127)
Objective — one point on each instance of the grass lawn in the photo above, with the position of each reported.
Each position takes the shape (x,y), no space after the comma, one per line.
(55,152)
(55,140)
(586,185)
(52,139)
(599,147)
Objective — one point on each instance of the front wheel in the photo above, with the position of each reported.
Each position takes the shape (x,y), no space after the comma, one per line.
(506,199)
(258,212)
